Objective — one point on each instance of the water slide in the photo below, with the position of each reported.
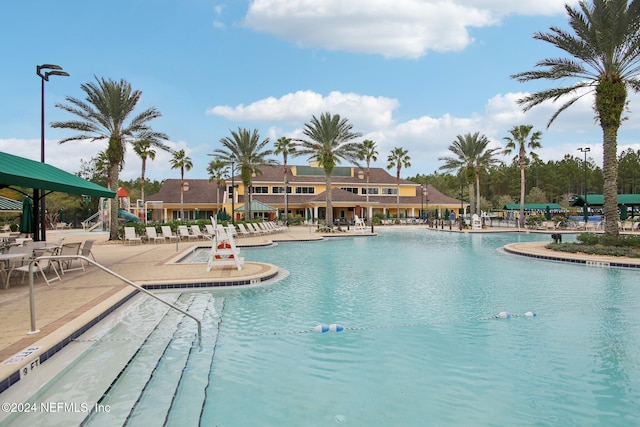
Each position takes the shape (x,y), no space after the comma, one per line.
(127,215)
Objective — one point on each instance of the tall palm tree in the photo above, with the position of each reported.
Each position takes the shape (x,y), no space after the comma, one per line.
(330,140)
(144,149)
(217,170)
(605,50)
(369,153)
(398,159)
(181,161)
(471,156)
(245,149)
(285,146)
(105,115)
(521,138)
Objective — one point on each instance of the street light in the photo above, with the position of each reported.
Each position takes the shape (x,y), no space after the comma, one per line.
(585,150)
(233,189)
(39,203)
(421,201)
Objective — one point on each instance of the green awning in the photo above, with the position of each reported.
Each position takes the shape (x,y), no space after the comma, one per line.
(257,206)
(598,200)
(21,172)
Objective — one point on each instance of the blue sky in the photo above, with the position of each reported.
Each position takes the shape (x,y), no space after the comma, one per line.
(410,73)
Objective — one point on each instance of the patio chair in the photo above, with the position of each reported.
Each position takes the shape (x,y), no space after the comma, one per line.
(130,235)
(41,266)
(85,250)
(67,264)
(152,235)
(255,228)
(183,233)
(165,231)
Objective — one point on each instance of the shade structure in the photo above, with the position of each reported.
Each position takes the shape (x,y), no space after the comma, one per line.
(26,220)
(21,172)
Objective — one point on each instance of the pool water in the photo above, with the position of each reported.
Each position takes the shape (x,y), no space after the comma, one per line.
(421,344)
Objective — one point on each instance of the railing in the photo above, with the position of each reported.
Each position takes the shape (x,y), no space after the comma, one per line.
(86,222)
(105,269)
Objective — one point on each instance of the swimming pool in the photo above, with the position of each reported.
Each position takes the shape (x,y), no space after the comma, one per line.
(421,345)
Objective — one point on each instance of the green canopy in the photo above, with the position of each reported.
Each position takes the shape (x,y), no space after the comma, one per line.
(21,172)
(598,200)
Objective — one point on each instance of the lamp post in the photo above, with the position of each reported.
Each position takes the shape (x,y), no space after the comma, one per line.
(233,189)
(286,200)
(585,150)
(39,202)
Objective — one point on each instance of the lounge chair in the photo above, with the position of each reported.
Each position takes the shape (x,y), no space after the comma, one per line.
(210,230)
(130,235)
(165,231)
(243,231)
(85,250)
(255,228)
(183,233)
(152,235)
(195,230)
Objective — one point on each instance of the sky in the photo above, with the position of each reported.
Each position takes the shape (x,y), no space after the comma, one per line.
(405,73)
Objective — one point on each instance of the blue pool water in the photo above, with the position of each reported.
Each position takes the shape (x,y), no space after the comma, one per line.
(421,345)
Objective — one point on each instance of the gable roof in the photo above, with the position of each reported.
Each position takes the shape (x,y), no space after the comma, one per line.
(7,204)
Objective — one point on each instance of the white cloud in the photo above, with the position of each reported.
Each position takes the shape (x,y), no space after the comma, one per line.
(298,107)
(391,28)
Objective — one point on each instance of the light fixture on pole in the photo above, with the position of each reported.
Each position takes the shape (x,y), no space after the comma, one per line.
(39,202)
(422,201)
(585,150)
(233,189)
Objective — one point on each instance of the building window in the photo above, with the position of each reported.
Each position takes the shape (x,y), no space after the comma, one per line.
(280,190)
(389,191)
(305,190)
(353,190)
(372,190)
(257,189)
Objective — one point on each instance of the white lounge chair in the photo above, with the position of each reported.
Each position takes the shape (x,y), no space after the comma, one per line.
(152,235)
(183,233)
(130,236)
(165,231)
(67,264)
(195,230)
(243,231)
(210,230)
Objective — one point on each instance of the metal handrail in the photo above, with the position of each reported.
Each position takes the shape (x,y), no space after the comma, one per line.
(105,269)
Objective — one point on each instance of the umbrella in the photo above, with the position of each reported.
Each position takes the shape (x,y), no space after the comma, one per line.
(437,215)
(585,213)
(623,212)
(225,215)
(547,213)
(26,221)
(446,213)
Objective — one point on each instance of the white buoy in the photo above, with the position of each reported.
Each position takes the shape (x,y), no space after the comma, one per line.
(504,315)
(530,314)
(334,327)
(321,328)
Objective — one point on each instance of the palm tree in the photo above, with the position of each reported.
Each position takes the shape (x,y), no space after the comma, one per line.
(398,159)
(181,161)
(471,156)
(330,141)
(368,154)
(217,169)
(605,50)
(285,146)
(144,149)
(105,116)
(245,149)
(520,139)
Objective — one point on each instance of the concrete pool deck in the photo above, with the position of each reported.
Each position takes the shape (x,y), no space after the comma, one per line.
(82,296)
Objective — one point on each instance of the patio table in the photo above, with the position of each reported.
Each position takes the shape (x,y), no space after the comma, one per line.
(4,261)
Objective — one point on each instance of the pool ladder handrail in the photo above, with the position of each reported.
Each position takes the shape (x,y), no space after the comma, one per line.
(105,269)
